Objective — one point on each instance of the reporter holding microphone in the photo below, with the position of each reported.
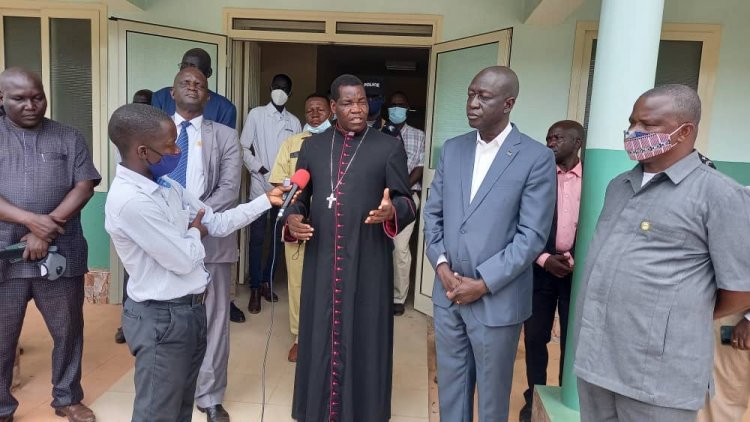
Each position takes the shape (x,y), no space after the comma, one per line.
(156,227)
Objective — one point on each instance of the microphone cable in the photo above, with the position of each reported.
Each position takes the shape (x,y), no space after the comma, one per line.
(274,246)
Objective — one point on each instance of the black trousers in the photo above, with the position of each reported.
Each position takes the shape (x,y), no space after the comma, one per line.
(168,342)
(550,292)
(61,304)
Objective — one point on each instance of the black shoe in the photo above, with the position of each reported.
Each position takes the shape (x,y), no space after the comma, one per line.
(215,413)
(525,415)
(119,336)
(268,295)
(398,309)
(235,314)
(254,305)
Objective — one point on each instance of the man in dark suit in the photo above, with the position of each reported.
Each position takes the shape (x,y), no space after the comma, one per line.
(553,269)
(486,220)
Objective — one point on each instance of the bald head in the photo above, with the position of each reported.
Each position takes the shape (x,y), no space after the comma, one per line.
(686,104)
(22,97)
(503,76)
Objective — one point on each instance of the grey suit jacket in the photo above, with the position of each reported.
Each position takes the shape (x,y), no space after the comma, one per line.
(222,166)
(499,234)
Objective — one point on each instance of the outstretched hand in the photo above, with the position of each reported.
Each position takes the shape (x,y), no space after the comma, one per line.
(384,212)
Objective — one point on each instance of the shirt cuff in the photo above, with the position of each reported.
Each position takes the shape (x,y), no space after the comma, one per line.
(286,235)
(441,259)
(542,259)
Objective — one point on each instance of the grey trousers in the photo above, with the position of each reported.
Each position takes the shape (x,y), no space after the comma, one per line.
(61,304)
(168,342)
(212,378)
(602,405)
(471,354)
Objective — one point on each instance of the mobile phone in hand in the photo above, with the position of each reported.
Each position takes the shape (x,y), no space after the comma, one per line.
(726,334)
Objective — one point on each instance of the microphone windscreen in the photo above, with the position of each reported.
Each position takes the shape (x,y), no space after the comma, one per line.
(300,178)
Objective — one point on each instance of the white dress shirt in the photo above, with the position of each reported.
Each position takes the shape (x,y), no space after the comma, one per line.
(148,223)
(195,180)
(483,157)
(264,131)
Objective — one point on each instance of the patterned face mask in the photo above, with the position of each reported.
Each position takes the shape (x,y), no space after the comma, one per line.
(644,145)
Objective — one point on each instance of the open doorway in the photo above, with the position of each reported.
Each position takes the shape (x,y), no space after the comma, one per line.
(312,68)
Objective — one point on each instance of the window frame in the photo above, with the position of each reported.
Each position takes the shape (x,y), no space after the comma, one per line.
(96,13)
(708,34)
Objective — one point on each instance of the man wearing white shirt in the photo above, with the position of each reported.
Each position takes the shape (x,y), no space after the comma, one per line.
(486,220)
(156,227)
(266,128)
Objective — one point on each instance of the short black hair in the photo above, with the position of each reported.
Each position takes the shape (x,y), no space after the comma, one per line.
(317,95)
(134,121)
(573,125)
(147,93)
(200,54)
(343,80)
(401,93)
(687,103)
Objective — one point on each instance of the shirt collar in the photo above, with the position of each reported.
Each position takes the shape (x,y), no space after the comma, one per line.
(676,173)
(196,122)
(499,139)
(577,170)
(141,182)
(271,110)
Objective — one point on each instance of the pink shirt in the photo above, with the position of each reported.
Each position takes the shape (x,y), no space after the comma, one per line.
(568,205)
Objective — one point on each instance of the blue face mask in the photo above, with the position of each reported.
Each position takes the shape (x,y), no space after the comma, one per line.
(374,104)
(166,164)
(397,115)
(319,129)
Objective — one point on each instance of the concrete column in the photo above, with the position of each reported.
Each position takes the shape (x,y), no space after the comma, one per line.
(626,55)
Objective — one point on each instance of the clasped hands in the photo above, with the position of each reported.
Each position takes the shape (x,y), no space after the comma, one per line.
(301,230)
(43,229)
(459,289)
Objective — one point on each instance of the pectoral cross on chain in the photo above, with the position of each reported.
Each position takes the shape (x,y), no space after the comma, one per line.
(331,199)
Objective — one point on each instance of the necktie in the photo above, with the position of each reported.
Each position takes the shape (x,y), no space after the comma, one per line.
(179,174)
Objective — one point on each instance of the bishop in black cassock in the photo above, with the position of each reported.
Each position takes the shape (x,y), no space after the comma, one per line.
(357,200)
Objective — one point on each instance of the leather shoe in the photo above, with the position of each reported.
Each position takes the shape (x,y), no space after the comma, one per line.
(265,290)
(119,336)
(215,413)
(8,418)
(254,305)
(292,353)
(525,415)
(398,309)
(76,413)
(235,314)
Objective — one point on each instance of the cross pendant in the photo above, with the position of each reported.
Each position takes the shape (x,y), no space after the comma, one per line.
(331,199)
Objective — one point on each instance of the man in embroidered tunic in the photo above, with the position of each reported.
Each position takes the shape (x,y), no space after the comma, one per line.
(358,199)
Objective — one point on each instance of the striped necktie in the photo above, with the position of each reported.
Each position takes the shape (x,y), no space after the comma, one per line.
(179,174)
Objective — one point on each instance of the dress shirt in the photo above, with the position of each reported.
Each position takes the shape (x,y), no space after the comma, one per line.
(148,223)
(265,130)
(568,205)
(414,144)
(195,178)
(483,157)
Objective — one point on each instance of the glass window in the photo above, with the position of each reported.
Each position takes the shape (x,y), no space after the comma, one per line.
(23,42)
(70,74)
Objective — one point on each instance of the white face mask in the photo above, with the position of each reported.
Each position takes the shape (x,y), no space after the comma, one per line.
(279,97)
(318,129)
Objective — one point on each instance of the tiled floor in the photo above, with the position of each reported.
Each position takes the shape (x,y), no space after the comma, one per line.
(108,375)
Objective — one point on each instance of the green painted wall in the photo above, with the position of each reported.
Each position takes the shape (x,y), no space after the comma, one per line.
(738,171)
(92,220)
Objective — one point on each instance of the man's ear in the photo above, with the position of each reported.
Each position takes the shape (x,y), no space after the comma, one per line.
(509,103)
(209,73)
(685,131)
(171,93)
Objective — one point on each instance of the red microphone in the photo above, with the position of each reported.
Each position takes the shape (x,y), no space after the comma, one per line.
(299,180)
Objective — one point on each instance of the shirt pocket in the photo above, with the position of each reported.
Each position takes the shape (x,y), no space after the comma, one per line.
(53,172)
(654,251)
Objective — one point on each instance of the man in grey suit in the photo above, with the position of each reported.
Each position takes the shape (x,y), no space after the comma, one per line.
(487,218)
(213,174)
